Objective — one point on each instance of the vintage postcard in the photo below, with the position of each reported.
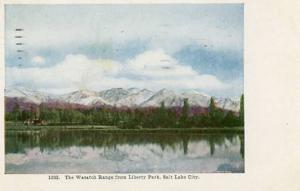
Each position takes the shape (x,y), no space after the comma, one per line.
(153,95)
(124,88)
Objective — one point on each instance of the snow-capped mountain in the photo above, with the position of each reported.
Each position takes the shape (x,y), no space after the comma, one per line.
(113,95)
(133,90)
(196,98)
(228,104)
(169,97)
(84,97)
(120,97)
(28,95)
(135,99)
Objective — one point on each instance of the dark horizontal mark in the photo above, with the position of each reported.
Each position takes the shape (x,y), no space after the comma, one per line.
(19,58)
(19,43)
(20,50)
(18,36)
(19,29)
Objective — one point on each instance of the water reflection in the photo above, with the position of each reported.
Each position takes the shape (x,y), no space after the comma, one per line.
(79,151)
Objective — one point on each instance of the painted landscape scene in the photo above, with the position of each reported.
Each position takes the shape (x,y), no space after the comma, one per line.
(124,88)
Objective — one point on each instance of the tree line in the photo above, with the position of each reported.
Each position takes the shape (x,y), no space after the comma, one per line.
(161,117)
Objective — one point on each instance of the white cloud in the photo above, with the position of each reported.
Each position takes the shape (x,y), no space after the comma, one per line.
(75,72)
(38,60)
(157,64)
(157,69)
(152,69)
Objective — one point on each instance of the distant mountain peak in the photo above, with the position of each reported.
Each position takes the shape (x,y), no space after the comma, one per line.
(145,90)
(114,94)
(169,97)
(133,90)
(132,97)
(135,99)
(27,94)
(194,93)
(86,92)
(166,91)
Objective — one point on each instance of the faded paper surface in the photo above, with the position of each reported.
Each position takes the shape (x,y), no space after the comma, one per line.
(272,90)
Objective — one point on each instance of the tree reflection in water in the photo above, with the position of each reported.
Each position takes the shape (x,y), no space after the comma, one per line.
(17,142)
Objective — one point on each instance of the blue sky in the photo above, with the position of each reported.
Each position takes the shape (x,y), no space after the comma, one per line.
(180,47)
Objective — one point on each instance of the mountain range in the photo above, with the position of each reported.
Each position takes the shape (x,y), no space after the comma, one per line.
(120,97)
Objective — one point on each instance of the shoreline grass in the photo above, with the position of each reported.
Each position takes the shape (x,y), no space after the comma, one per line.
(116,129)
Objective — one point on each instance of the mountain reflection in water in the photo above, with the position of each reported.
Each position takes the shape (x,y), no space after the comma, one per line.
(93,151)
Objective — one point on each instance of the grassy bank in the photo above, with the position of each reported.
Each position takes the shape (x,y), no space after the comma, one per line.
(11,127)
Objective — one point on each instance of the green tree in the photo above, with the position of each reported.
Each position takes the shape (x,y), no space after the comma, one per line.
(158,118)
(16,112)
(212,109)
(185,109)
(162,115)
(185,113)
(230,120)
(25,115)
(241,113)
(215,114)
(43,112)
(212,106)
(54,116)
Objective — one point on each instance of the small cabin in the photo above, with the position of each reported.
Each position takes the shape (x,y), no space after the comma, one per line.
(35,122)
(39,122)
(28,122)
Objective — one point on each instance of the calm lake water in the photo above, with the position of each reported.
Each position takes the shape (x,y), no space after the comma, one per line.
(95,151)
